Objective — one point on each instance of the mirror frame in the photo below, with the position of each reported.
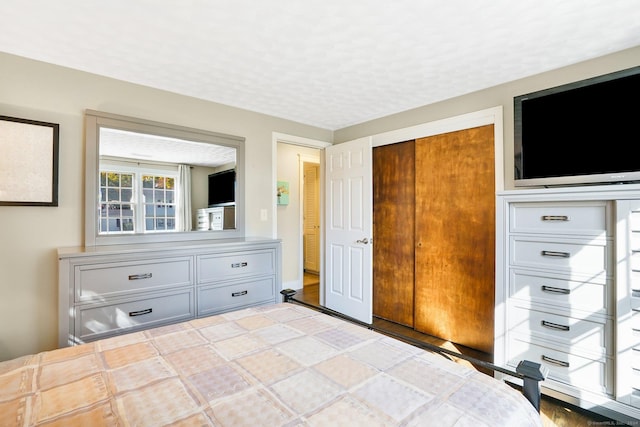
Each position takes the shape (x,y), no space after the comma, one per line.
(94,120)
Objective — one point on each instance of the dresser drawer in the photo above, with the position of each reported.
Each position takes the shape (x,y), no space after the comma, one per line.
(570,294)
(215,299)
(587,257)
(93,321)
(583,218)
(97,281)
(241,264)
(579,335)
(592,375)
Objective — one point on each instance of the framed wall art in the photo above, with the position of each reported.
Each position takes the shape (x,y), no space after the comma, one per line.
(28,162)
(283,192)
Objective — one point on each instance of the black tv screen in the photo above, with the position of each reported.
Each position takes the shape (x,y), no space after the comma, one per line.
(580,133)
(222,188)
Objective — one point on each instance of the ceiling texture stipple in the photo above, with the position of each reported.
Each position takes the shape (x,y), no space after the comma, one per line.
(326,63)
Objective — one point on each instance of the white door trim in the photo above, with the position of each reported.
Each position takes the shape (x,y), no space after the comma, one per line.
(276,138)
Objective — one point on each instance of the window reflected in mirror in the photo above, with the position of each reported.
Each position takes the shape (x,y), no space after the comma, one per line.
(146,182)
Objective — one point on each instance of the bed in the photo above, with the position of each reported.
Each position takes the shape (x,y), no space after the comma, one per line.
(277,365)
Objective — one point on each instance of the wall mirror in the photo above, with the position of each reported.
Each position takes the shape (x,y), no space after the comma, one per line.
(152,182)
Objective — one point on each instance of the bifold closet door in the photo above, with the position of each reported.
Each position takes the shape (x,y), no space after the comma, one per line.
(393,232)
(455,237)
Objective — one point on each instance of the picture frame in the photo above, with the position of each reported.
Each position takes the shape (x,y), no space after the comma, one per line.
(283,192)
(28,162)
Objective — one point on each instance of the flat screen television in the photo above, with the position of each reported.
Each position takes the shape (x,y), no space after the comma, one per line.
(222,188)
(580,133)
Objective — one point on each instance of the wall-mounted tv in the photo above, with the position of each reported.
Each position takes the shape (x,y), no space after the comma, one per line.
(580,133)
(222,188)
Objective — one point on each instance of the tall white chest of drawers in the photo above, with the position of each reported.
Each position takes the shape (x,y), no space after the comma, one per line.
(568,292)
(110,290)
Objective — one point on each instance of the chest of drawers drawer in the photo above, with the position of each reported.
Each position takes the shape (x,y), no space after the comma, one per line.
(218,298)
(112,290)
(540,288)
(589,257)
(577,218)
(104,280)
(578,335)
(93,321)
(593,375)
(218,267)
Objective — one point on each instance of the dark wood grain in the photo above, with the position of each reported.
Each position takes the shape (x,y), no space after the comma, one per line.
(455,237)
(393,232)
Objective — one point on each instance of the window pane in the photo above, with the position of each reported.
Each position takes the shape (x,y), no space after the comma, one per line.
(127,181)
(127,195)
(147,181)
(113,179)
(168,195)
(159,182)
(114,225)
(127,224)
(118,215)
(114,194)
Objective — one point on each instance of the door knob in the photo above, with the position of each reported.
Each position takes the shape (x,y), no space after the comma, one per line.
(363,241)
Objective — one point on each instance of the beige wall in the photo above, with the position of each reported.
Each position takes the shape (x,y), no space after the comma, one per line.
(30,235)
(492,97)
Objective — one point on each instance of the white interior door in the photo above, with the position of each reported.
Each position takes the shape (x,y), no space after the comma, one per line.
(348,229)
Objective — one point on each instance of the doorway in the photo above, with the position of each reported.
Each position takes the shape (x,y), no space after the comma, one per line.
(293,154)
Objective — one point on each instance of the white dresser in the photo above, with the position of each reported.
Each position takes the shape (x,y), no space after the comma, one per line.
(568,292)
(110,290)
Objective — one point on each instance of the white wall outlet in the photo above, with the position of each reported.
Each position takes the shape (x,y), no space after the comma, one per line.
(263,214)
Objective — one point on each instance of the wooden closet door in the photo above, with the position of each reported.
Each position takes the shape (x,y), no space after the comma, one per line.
(393,232)
(455,237)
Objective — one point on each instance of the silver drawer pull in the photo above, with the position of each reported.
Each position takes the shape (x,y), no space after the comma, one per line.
(140,312)
(555,361)
(555,326)
(555,218)
(553,290)
(140,276)
(239,294)
(239,265)
(555,254)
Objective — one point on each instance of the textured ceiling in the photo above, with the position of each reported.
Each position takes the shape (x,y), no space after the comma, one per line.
(145,147)
(328,63)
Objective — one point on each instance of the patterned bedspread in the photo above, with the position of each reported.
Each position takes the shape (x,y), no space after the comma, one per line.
(279,365)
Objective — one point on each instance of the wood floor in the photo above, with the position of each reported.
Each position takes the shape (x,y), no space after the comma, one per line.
(554,413)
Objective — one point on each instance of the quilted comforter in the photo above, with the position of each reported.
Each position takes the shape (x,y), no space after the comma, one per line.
(278,365)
